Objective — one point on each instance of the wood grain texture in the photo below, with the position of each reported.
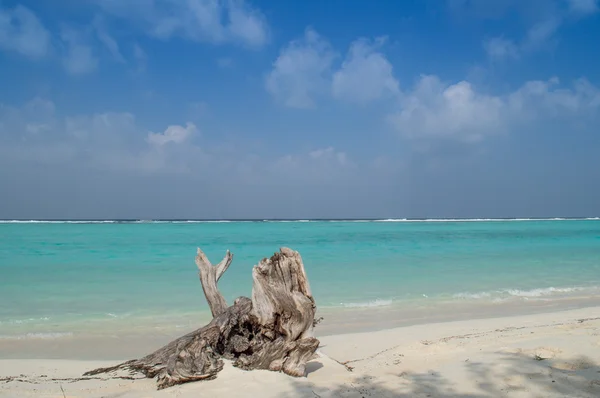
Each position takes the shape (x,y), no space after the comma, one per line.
(273,330)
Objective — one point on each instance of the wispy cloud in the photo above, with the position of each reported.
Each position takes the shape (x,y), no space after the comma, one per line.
(583,7)
(115,141)
(213,21)
(501,48)
(140,56)
(23,32)
(539,36)
(107,40)
(78,58)
(225,62)
(541,33)
(542,29)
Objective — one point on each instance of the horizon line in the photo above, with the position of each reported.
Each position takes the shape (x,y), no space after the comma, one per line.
(141,220)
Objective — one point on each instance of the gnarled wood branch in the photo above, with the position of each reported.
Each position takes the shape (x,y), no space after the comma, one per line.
(209,276)
(273,330)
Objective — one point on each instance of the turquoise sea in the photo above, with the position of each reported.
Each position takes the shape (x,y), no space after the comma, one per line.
(63,278)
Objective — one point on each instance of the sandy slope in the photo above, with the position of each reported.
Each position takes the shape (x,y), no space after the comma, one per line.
(545,355)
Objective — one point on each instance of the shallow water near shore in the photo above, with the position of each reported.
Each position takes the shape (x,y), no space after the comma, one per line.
(122,340)
(78,280)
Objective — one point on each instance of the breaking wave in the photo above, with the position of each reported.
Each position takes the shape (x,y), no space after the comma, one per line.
(37,336)
(525,294)
(367,304)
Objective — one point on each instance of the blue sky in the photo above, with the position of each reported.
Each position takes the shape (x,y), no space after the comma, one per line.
(299,109)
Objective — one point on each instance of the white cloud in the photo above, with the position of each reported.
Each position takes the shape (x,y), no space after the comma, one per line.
(116,142)
(175,133)
(437,110)
(215,21)
(583,7)
(316,166)
(548,100)
(33,118)
(538,36)
(104,141)
(79,58)
(104,129)
(203,20)
(434,110)
(365,74)
(22,31)
(246,24)
(40,107)
(39,114)
(329,153)
(501,48)
(301,71)
(540,33)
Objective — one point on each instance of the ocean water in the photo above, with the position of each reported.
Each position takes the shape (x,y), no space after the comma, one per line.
(58,279)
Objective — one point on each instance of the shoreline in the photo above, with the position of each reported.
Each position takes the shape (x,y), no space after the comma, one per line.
(373,319)
(109,341)
(548,354)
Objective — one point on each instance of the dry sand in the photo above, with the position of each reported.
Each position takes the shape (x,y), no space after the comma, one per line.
(544,355)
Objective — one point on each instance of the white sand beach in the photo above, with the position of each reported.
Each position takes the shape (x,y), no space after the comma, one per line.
(554,354)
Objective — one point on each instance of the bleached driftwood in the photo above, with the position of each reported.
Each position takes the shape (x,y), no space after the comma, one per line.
(273,330)
(209,276)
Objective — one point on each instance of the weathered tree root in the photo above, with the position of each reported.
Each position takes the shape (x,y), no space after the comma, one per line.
(273,330)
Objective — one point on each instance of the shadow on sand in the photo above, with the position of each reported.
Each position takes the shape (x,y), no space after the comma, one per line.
(513,375)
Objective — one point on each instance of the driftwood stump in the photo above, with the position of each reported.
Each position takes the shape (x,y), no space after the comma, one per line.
(273,330)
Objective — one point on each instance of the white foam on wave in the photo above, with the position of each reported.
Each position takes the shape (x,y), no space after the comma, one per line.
(286,221)
(22,321)
(475,296)
(193,221)
(543,291)
(483,219)
(373,303)
(190,221)
(37,336)
(465,219)
(503,294)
